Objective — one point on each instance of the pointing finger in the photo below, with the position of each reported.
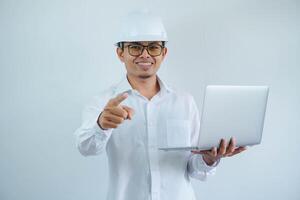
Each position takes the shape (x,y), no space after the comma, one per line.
(118,99)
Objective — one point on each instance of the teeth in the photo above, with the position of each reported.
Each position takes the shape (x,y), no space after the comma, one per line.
(144,64)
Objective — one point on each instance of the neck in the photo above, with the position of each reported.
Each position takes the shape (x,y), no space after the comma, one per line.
(148,87)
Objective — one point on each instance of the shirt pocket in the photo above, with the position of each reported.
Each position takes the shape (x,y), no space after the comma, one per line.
(178,133)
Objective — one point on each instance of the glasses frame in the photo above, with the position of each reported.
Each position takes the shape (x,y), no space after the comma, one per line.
(144,47)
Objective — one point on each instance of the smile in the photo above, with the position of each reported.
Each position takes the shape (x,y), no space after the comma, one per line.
(144,63)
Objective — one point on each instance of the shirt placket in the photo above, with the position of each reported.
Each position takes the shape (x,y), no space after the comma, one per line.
(153,154)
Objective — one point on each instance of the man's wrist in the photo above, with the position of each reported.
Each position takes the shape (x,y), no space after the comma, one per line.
(208,161)
(98,122)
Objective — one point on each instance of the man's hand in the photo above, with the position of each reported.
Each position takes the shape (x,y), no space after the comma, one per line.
(224,150)
(114,114)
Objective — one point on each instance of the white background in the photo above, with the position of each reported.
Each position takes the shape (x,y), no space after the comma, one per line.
(55,55)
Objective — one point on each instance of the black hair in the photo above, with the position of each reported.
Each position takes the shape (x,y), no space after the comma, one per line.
(120,45)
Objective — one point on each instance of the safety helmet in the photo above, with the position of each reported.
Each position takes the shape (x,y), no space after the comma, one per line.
(142,26)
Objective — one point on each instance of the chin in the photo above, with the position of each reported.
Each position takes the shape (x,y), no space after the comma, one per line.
(145,76)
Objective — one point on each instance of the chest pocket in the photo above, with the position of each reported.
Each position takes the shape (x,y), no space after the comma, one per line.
(178,133)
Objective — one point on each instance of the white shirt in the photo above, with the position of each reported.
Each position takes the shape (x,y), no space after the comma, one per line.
(137,169)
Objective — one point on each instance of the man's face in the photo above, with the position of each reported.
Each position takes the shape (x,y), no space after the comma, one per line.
(144,65)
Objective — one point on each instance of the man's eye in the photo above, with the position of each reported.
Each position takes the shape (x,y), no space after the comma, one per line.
(135,47)
(154,47)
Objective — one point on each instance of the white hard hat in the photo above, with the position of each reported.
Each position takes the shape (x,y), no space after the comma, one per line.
(142,26)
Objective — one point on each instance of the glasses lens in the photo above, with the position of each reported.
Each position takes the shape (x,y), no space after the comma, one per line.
(154,49)
(135,50)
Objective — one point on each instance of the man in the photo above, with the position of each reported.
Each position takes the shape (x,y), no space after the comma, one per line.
(141,113)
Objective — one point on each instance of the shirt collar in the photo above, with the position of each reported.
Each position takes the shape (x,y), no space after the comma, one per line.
(164,88)
(124,86)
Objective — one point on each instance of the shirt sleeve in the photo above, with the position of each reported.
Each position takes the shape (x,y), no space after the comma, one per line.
(198,169)
(90,138)
(196,166)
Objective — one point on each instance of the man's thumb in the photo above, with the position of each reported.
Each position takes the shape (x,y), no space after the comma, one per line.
(129,110)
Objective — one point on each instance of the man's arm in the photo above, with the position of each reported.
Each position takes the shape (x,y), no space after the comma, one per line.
(203,163)
(96,128)
(90,138)
(196,166)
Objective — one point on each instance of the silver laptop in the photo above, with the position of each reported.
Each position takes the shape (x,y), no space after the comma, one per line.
(231,111)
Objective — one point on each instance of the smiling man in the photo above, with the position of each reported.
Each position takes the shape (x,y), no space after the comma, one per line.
(133,118)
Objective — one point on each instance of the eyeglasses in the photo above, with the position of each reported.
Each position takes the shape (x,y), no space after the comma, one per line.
(138,49)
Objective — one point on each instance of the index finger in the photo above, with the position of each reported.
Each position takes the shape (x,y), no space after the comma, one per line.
(118,99)
(232,144)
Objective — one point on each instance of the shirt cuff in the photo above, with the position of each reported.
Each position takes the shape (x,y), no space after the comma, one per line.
(202,164)
(102,133)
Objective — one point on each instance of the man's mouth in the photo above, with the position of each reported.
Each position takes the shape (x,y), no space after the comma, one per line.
(144,65)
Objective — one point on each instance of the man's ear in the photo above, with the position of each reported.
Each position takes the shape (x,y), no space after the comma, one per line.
(164,52)
(120,54)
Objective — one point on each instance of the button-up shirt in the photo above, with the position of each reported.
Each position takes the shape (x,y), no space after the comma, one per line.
(138,170)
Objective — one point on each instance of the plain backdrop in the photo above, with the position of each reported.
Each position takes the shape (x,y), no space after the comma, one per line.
(55,55)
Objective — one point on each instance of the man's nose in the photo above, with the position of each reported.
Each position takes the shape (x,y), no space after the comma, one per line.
(145,53)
